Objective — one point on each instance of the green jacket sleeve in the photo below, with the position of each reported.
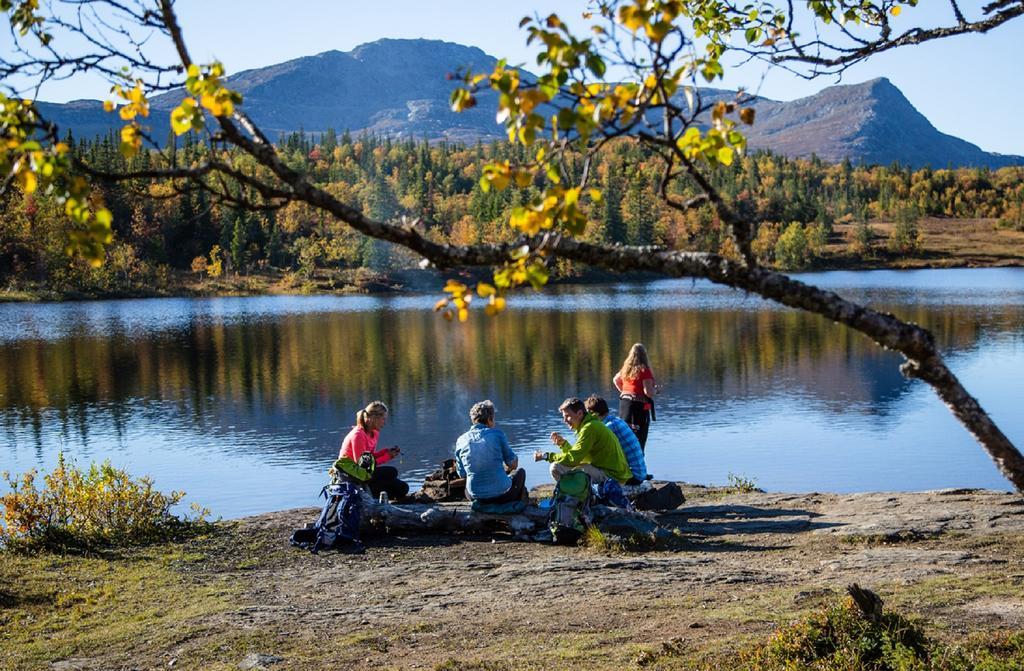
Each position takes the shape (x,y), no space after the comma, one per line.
(578,453)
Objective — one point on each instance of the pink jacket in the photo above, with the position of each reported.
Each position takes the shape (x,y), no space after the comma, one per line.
(359,441)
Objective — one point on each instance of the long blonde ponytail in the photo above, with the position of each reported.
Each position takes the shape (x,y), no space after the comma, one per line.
(372,409)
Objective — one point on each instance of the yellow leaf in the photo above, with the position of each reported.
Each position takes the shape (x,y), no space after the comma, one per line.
(127,112)
(499,180)
(631,18)
(181,121)
(523,178)
(483,289)
(895,11)
(454,287)
(108,105)
(131,141)
(718,111)
(103,217)
(27,180)
(463,314)
(656,32)
(496,305)
(529,100)
(725,155)
(211,103)
(690,137)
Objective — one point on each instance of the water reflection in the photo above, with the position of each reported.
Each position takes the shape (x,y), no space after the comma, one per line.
(253,395)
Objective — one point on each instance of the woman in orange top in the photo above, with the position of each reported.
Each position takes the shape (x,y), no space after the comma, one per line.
(362,440)
(637,387)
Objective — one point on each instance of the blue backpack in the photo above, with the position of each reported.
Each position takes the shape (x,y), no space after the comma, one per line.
(610,493)
(338,524)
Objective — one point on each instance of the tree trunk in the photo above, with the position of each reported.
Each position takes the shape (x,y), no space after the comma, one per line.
(461,518)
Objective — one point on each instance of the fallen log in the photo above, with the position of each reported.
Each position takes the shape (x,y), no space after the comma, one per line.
(527,525)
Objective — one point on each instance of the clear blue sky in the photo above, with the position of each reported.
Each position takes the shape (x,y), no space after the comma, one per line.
(969,86)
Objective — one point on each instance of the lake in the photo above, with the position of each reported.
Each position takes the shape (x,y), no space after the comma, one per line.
(243,402)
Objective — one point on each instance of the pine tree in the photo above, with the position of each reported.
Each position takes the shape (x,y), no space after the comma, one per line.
(611,206)
(239,240)
(637,210)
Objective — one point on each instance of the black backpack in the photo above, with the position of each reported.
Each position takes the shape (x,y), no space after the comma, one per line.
(338,524)
(570,508)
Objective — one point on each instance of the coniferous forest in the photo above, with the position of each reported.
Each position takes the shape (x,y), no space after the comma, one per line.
(166,231)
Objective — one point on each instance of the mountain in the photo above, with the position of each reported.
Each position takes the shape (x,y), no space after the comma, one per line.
(401,88)
(871,122)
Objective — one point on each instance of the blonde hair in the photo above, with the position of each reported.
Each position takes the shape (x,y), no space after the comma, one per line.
(635,363)
(372,409)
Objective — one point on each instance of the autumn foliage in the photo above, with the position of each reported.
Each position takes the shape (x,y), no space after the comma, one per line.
(101,507)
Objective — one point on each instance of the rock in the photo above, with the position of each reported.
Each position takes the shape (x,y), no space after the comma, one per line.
(258,660)
(71,664)
(661,496)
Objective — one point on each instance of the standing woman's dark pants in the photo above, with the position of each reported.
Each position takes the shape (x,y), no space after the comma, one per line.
(638,418)
(385,479)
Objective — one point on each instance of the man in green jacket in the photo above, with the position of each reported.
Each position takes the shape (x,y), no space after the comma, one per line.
(596,452)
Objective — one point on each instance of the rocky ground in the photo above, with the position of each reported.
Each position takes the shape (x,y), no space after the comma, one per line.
(743,564)
(740,565)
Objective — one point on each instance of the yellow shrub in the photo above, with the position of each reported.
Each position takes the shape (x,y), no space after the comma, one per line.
(88,509)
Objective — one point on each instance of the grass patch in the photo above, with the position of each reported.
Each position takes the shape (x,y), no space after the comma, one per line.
(950,591)
(57,607)
(596,540)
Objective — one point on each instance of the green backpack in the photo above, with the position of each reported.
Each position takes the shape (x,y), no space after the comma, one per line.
(570,508)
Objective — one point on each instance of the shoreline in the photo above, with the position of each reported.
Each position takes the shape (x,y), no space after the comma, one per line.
(415,281)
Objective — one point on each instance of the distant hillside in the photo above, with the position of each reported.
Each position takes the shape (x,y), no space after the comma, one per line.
(401,88)
(871,122)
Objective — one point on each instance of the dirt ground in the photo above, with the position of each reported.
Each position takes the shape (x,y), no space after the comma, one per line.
(738,567)
(743,565)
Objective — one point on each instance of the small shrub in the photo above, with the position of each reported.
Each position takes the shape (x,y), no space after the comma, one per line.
(215,267)
(763,245)
(739,483)
(102,507)
(817,237)
(861,237)
(792,250)
(839,637)
(199,265)
(1013,217)
(905,237)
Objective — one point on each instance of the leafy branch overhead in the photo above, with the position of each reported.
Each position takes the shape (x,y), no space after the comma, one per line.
(634,74)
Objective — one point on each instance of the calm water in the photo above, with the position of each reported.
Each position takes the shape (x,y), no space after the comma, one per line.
(243,402)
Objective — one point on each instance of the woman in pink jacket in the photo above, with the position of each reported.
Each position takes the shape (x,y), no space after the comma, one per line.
(362,460)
